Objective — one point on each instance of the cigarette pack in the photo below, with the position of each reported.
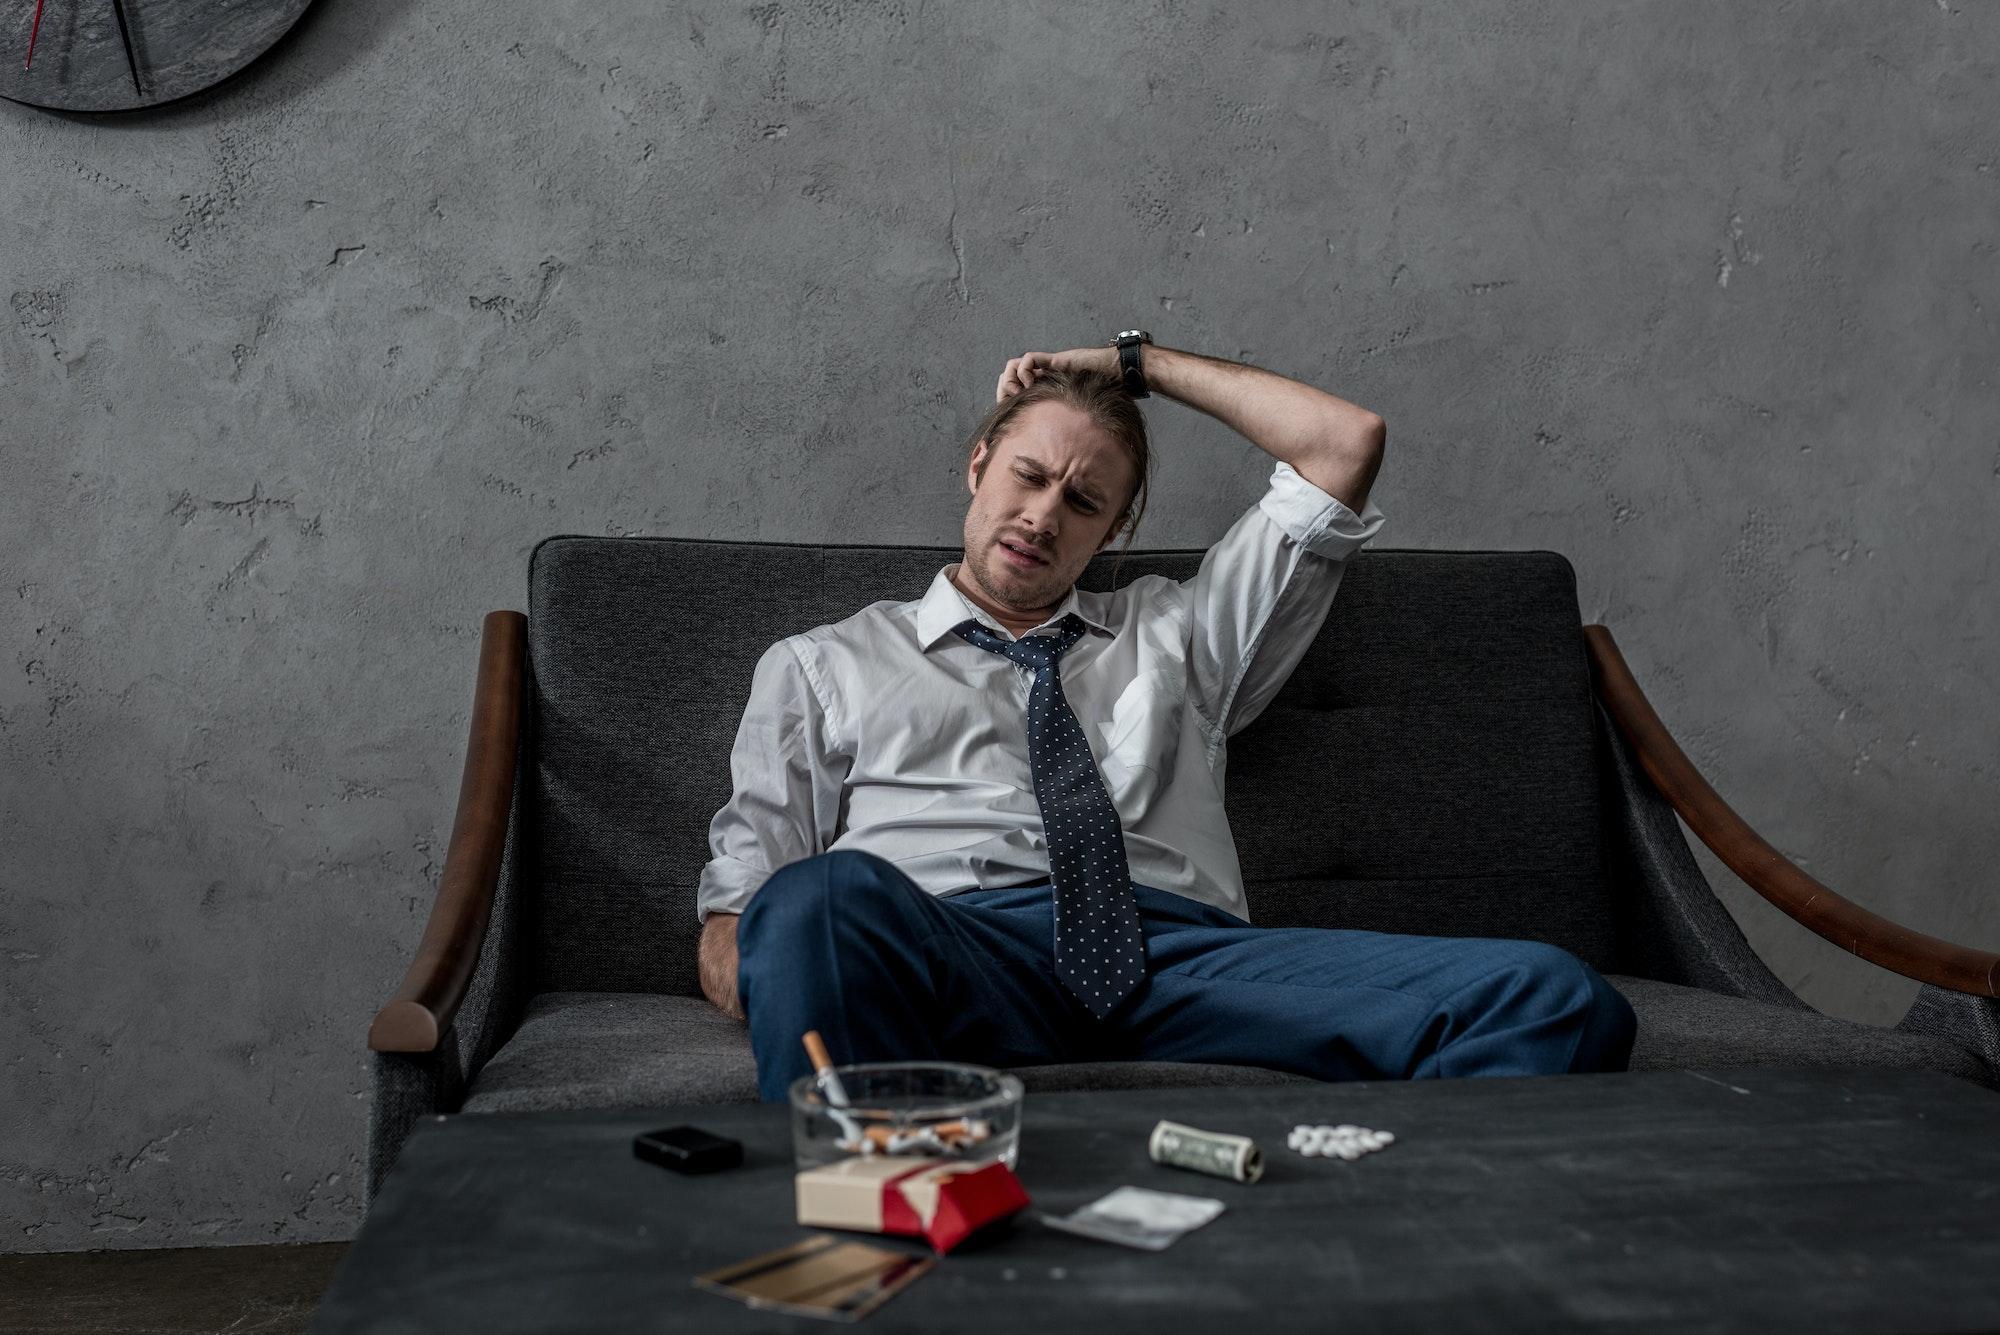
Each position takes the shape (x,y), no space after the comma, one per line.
(942,1201)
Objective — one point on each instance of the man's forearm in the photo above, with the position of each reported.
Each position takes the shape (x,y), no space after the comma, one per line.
(716,958)
(1334,444)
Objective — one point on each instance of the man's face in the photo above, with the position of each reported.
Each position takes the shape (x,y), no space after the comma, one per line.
(1052,488)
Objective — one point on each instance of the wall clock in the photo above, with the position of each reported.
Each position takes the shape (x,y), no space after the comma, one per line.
(122,55)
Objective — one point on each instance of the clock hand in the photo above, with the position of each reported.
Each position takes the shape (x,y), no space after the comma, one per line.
(131,61)
(29,63)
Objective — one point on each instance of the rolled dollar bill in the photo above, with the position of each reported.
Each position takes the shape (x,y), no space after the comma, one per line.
(1211,1152)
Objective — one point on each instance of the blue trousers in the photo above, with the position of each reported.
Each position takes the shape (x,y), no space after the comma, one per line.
(846,944)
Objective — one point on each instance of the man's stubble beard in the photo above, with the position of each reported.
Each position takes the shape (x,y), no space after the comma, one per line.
(1042,596)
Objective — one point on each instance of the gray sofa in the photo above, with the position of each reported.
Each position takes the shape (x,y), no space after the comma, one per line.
(1456,755)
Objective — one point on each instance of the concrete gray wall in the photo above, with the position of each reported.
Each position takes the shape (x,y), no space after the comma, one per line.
(1701,295)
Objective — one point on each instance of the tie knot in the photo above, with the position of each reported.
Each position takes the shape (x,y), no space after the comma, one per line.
(1036,651)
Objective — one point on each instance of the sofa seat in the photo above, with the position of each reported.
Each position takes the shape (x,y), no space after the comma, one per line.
(639,1049)
(1682,1027)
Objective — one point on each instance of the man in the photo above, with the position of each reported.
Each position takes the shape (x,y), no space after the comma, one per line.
(987,825)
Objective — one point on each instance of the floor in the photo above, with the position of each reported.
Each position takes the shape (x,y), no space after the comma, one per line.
(170,1291)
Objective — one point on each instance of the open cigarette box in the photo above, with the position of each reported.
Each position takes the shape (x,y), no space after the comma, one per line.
(942,1201)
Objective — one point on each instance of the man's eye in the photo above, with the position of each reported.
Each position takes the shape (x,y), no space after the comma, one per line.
(1035,480)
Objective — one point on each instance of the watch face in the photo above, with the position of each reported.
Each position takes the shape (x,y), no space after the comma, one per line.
(120,55)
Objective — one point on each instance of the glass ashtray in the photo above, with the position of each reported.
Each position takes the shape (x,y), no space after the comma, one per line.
(946,1110)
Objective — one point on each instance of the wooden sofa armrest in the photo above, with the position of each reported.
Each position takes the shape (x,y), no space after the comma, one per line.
(416,1018)
(1762,867)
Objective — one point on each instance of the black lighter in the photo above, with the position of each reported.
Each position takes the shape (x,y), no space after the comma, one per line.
(688,1149)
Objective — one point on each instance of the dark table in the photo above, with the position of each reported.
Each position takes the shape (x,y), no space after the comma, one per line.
(1756,1200)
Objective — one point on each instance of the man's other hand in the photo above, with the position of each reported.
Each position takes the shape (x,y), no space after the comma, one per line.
(717,956)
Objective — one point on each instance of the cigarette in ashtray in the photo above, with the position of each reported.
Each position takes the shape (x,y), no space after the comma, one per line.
(830,1086)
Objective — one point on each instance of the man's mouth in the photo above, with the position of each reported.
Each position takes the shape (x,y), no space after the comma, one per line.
(1021,556)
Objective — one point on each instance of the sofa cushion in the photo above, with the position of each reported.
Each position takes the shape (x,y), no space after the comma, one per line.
(617,1050)
(1429,765)
(1682,1027)
(636,1049)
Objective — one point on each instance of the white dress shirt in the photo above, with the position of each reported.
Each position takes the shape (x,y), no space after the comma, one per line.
(887,732)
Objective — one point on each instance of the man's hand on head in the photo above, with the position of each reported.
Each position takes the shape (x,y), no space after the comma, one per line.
(1020,372)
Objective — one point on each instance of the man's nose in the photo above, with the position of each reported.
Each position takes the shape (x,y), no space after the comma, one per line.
(1040,518)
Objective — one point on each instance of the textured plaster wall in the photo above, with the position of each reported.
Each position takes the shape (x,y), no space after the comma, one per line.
(1701,295)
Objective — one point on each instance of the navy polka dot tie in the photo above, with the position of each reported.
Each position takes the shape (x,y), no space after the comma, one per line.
(1100,952)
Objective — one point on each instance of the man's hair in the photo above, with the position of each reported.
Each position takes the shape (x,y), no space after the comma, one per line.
(1101,397)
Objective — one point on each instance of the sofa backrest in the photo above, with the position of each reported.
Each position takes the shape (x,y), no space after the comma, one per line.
(1428,768)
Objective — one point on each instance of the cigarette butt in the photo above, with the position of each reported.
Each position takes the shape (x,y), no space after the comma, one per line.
(956,1134)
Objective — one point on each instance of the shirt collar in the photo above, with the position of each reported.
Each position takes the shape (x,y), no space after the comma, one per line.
(943,607)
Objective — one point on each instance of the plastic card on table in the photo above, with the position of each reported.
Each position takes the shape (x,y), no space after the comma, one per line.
(820,1277)
(1139,1217)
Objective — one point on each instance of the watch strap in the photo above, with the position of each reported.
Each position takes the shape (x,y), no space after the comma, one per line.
(1130,368)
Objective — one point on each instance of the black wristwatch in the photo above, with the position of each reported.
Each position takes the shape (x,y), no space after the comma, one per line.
(1127,343)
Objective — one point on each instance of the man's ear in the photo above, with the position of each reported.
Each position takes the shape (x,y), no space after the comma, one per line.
(980,453)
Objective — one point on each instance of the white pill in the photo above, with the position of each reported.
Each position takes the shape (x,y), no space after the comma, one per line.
(1385,1137)
(1348,1128)
(1348,1152)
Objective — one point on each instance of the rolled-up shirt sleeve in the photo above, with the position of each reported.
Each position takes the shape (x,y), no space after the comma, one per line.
(786,801)
(1262,593)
